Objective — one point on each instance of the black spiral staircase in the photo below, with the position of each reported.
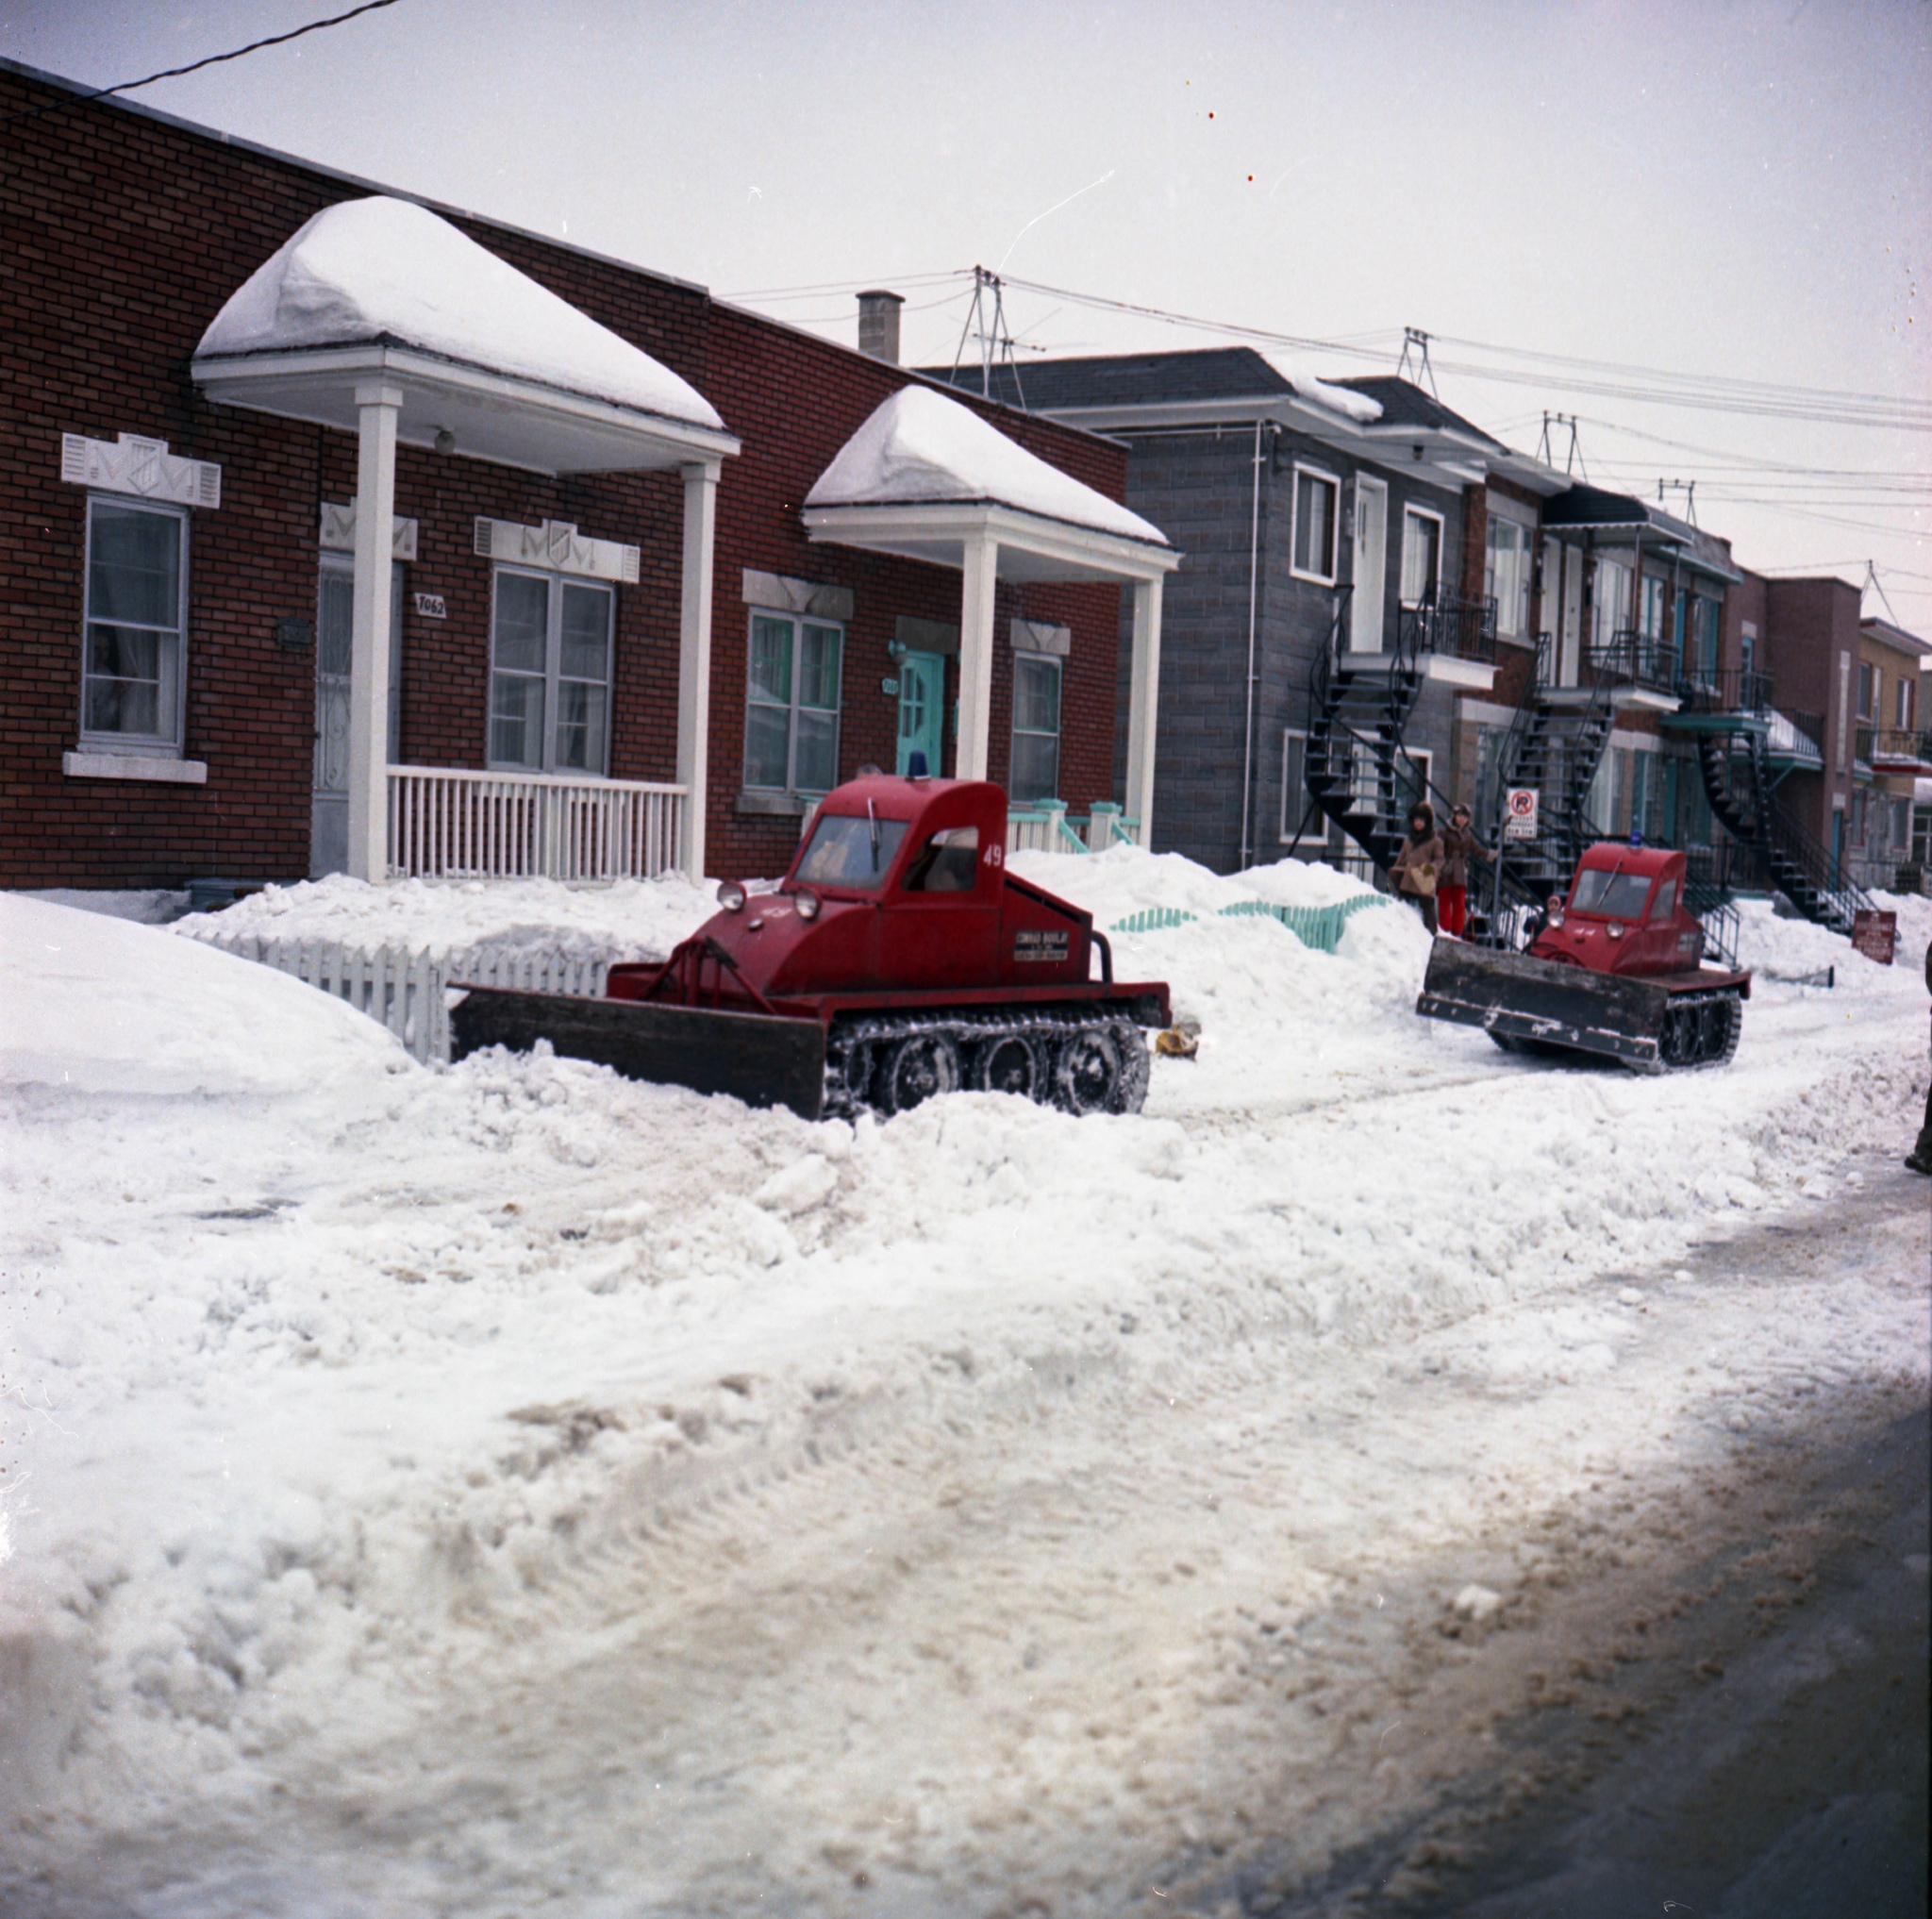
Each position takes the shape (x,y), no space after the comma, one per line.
(1362,778)
(1741,795)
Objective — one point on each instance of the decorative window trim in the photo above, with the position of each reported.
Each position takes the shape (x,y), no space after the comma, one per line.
(1030,636)
(926,635)
(134,766)
(140,467)
(339,532)
(779,593)
(556,546)
(1333,482)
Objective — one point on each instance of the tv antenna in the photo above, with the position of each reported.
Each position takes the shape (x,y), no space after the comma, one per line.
(985,322)
(1687,487)
(1414,339)
(1572,460)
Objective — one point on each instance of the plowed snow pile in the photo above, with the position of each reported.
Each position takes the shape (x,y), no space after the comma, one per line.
(341,1393)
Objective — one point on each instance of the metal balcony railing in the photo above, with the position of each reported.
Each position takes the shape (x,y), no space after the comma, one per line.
(1893,744)
(1466,629)
(1633,659)
(1725,689)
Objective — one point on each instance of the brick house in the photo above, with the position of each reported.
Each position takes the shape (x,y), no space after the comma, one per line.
(599,636)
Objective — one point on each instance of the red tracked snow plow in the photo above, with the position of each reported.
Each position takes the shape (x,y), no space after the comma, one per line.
(1616,969)
(898,959)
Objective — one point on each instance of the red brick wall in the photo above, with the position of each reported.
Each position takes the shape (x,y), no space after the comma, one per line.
(124,235)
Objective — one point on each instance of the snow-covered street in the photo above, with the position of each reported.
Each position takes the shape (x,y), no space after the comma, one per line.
(483,1489)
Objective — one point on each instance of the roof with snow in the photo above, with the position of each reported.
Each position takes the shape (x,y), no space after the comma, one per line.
(1126,380)
(387,271)
(919,448)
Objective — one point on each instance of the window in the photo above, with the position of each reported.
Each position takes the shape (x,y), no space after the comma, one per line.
(1315,522)
(851,850)
(792,705)
(1904,718)
(135,621)
(1609,895)
(1036,768)
(1650,607)
(1868,692)
(1422,555)
(1506,575)
(550,673)
(1295,803)
(1611,603)
(948,862)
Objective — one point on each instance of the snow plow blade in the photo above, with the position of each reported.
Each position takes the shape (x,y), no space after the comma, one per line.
(753,1057)
(1521,998)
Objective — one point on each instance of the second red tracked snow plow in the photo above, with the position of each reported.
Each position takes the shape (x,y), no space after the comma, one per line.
(897,958)
(1616,969)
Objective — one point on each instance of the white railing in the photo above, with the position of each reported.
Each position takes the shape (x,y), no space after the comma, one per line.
(1046,827)
(406,992)
(454,822)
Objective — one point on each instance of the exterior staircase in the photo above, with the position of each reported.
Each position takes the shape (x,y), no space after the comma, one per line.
(1741,795)
(1556,749)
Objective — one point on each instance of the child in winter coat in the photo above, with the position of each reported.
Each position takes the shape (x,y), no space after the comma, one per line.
(1418,867)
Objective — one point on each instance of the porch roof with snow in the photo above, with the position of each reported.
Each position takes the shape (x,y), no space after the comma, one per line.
(381,290)
(926,478)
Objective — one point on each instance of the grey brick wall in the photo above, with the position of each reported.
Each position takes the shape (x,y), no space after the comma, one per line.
(1199,488)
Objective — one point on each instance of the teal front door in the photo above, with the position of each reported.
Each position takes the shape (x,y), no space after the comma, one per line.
(922,708)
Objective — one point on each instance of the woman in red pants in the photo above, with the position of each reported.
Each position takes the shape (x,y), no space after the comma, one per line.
(1452,887)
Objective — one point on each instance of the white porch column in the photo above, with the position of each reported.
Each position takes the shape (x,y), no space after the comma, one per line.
(982,560)
(1143,700)
(376,407)
(694,656)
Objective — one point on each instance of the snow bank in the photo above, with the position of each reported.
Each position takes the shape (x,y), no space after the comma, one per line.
(334,1380)
(387,270)
(625,919)
(150,906)
(105,1005)
(918,447)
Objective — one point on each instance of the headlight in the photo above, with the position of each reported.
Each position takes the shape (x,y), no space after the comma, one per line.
(1553,911)
(806,902)
(731,895)
(1615,929)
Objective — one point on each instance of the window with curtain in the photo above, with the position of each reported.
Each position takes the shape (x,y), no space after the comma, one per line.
(1422,555)
(550,673)
(1316,495)
(1506,575)
(792,705)
(135,623)
(1036,767)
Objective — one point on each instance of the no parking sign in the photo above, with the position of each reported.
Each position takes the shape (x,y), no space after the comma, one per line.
(1519,822)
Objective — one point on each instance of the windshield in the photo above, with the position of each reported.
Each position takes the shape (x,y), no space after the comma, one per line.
(1614,896)
(850,851)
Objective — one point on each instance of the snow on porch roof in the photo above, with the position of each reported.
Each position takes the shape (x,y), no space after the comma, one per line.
(385,273)
(920,449)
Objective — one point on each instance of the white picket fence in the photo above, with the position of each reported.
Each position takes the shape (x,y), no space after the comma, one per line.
(448,822)
(408,992)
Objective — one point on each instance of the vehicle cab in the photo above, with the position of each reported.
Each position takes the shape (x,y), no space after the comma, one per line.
(1624,913)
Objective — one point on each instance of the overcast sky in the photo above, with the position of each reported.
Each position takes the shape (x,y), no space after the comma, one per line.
(1732,191)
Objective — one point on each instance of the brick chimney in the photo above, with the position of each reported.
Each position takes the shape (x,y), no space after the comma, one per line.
(878,325)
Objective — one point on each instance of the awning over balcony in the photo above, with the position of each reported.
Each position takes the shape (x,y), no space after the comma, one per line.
(379,318)
(927,478)
(1617,519)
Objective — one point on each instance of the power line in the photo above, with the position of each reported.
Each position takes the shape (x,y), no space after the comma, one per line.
(195,66)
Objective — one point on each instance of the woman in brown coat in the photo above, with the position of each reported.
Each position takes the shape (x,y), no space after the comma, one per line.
(1419,864)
